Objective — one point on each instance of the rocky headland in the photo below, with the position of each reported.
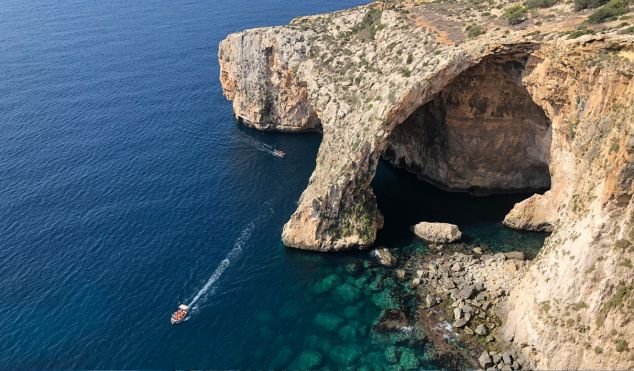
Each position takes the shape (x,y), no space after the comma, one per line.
(481,97)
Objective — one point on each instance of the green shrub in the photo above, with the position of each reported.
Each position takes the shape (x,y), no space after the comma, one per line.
(598,350)
(610,11)
(515,14)
(532,4)
(621,345)
(629,30)
(616,301)
(474,30)
(578,33)
(588,4)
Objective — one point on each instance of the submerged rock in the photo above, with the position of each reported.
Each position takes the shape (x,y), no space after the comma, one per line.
(326,284)
(347,293)
(348,333)
(327,321)
(282,358)
(390,321)
(385,257)
(390,354)
(307,360)
(408,359)
(437,232)
(345,354)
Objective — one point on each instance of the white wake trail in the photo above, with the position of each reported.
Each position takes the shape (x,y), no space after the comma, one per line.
(260,146)
(232,255)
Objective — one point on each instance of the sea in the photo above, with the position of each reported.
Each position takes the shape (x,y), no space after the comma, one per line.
(127,188)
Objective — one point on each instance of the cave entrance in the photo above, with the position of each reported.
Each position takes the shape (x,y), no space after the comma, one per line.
(481,135)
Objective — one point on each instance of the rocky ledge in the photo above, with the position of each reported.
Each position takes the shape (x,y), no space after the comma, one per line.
(471,98)
(461,296)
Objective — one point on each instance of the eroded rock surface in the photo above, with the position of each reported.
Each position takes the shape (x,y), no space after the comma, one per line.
(401,81)
(437,232)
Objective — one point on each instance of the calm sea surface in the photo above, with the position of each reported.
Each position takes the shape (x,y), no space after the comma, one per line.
(127,188)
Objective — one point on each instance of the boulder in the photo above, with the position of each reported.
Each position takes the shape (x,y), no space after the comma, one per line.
(429,301)
(467,292)
(457,313)
(485,360)
(437,232)
(460,323)
(506,358)
(481,330)
(391,320)
(385,257)
(514,255)
(400,274)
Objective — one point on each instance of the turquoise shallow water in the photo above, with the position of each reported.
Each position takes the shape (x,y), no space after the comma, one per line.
(126,185)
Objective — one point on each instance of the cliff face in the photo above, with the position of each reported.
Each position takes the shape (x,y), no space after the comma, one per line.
(519,107)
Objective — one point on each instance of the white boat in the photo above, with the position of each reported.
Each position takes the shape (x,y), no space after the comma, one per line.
(180,315)
(279,153)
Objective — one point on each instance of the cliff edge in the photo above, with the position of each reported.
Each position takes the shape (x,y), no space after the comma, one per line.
(473,98)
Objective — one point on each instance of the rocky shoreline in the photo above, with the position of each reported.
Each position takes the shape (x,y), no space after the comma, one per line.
(459,293)
(528,104)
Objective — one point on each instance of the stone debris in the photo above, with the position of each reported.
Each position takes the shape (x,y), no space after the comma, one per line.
(471,287)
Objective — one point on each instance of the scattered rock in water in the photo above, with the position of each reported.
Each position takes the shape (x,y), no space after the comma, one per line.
(408,359)
(289,311)
(400,274)
(345,354)
(390,354)
(282,358)
(348,333)
(385,257)
(391,320)
(437,232)
(347,293)
(385,300)
(327,321)
(308,359)
(351,311)
(326,284)
(478,250)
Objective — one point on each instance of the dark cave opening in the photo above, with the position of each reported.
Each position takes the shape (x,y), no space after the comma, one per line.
(466,157)
(481,134)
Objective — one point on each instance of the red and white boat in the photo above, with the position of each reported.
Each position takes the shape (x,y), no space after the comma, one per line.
(279,153)
(180,315)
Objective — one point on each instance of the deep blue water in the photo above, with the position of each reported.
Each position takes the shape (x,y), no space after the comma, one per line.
(125,182)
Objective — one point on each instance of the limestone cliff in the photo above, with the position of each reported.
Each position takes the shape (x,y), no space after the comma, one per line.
(519,107)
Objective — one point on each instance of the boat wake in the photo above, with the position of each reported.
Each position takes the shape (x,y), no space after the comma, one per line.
(232,255)
(260,146)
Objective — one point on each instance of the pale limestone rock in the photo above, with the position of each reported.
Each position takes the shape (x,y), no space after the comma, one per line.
(339,74)
(437,232)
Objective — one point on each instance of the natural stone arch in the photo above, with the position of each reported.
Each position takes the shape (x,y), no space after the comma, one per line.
(338,208)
